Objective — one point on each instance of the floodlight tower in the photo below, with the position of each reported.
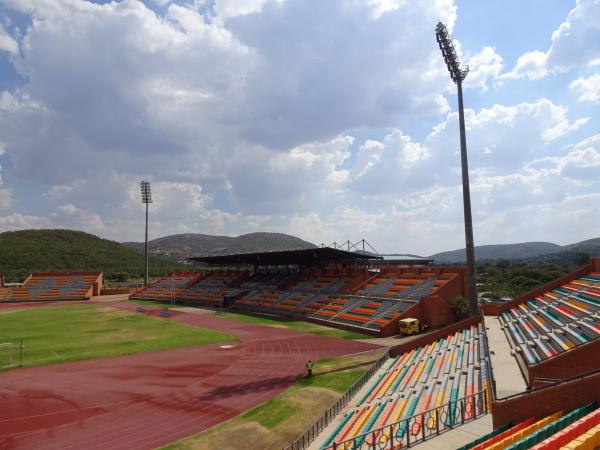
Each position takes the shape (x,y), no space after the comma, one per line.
(146,199)
(458,74)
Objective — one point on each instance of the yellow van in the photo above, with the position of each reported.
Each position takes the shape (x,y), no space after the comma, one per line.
(411,326)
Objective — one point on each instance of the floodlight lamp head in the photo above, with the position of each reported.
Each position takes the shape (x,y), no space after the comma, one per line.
(444,41)
(146,191)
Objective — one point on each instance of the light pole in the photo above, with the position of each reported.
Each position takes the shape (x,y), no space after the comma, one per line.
(146,199)
(458,74)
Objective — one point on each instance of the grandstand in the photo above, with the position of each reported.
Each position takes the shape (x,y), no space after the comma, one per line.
(575,429)
(193,288)
(329,286)
(441,380)
(168,287)
(314,298)
(264,281)
(450,373)
(555,321)
(54,286)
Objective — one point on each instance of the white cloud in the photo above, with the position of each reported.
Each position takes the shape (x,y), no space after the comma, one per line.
(7,43)
(574,44)
(5,198)
(576,41)
(484,66)
(501,140)
(18,221)
(64,216)
(530,65)
(583,162)
(218,100)
(588,88)
(275,115)
(226,9)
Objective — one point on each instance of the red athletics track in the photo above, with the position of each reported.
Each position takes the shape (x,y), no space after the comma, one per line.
(149,399)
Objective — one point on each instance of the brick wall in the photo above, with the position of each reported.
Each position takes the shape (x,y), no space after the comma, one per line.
(542,402)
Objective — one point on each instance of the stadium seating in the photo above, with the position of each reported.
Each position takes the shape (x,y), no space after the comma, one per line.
(328,283)
(168,287)
(55,286)
(574,429)
(218,279)
(317,297)
(4,293)
(424,378)
(263,281)
(192,288)
(361,311)
(402,285)
(552,323)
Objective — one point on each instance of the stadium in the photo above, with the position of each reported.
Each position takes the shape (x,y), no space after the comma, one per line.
(521,374)
(321,119)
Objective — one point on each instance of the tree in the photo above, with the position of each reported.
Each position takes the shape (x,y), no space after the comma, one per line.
(461,307)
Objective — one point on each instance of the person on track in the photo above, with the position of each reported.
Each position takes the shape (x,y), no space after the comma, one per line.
(309,368)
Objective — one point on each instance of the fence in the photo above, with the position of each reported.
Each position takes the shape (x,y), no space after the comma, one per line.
(312,432)
(418,428)
(11,354)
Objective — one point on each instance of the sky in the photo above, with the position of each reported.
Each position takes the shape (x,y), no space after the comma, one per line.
(329,120)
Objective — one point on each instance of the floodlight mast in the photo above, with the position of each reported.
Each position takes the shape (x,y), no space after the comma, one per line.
(458,74)
(146,199)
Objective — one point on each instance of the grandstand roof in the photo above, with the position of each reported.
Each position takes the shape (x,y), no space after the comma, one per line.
(287,257)
(406,259)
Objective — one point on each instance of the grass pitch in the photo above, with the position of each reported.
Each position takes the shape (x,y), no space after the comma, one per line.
(277,422)
(272,321)
(292,324)
(72,333)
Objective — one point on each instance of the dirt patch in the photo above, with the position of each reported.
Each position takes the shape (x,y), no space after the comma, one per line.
(229,435)
(247,435)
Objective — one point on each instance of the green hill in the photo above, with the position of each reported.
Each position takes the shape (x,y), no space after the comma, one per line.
(181,246)
(23,252)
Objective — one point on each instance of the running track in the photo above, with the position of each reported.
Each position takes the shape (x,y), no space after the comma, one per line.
(146,400)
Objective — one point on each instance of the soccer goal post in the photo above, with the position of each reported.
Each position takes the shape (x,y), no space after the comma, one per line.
(10,354)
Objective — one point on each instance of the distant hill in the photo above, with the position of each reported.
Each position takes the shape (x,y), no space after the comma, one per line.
(181,246)
(23,252)
(591,246)
(524,250)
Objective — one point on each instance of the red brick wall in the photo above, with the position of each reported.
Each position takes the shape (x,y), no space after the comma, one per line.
(391,329)
(116,291)
(437,311)
(542,402)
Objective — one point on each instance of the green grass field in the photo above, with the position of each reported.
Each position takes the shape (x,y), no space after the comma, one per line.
(298,325)
(277,422)
(71,333)
(272,321)
(150,303)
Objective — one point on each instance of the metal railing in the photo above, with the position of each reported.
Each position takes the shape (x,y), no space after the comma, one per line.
(489,359)
(418,428)
(312,431)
